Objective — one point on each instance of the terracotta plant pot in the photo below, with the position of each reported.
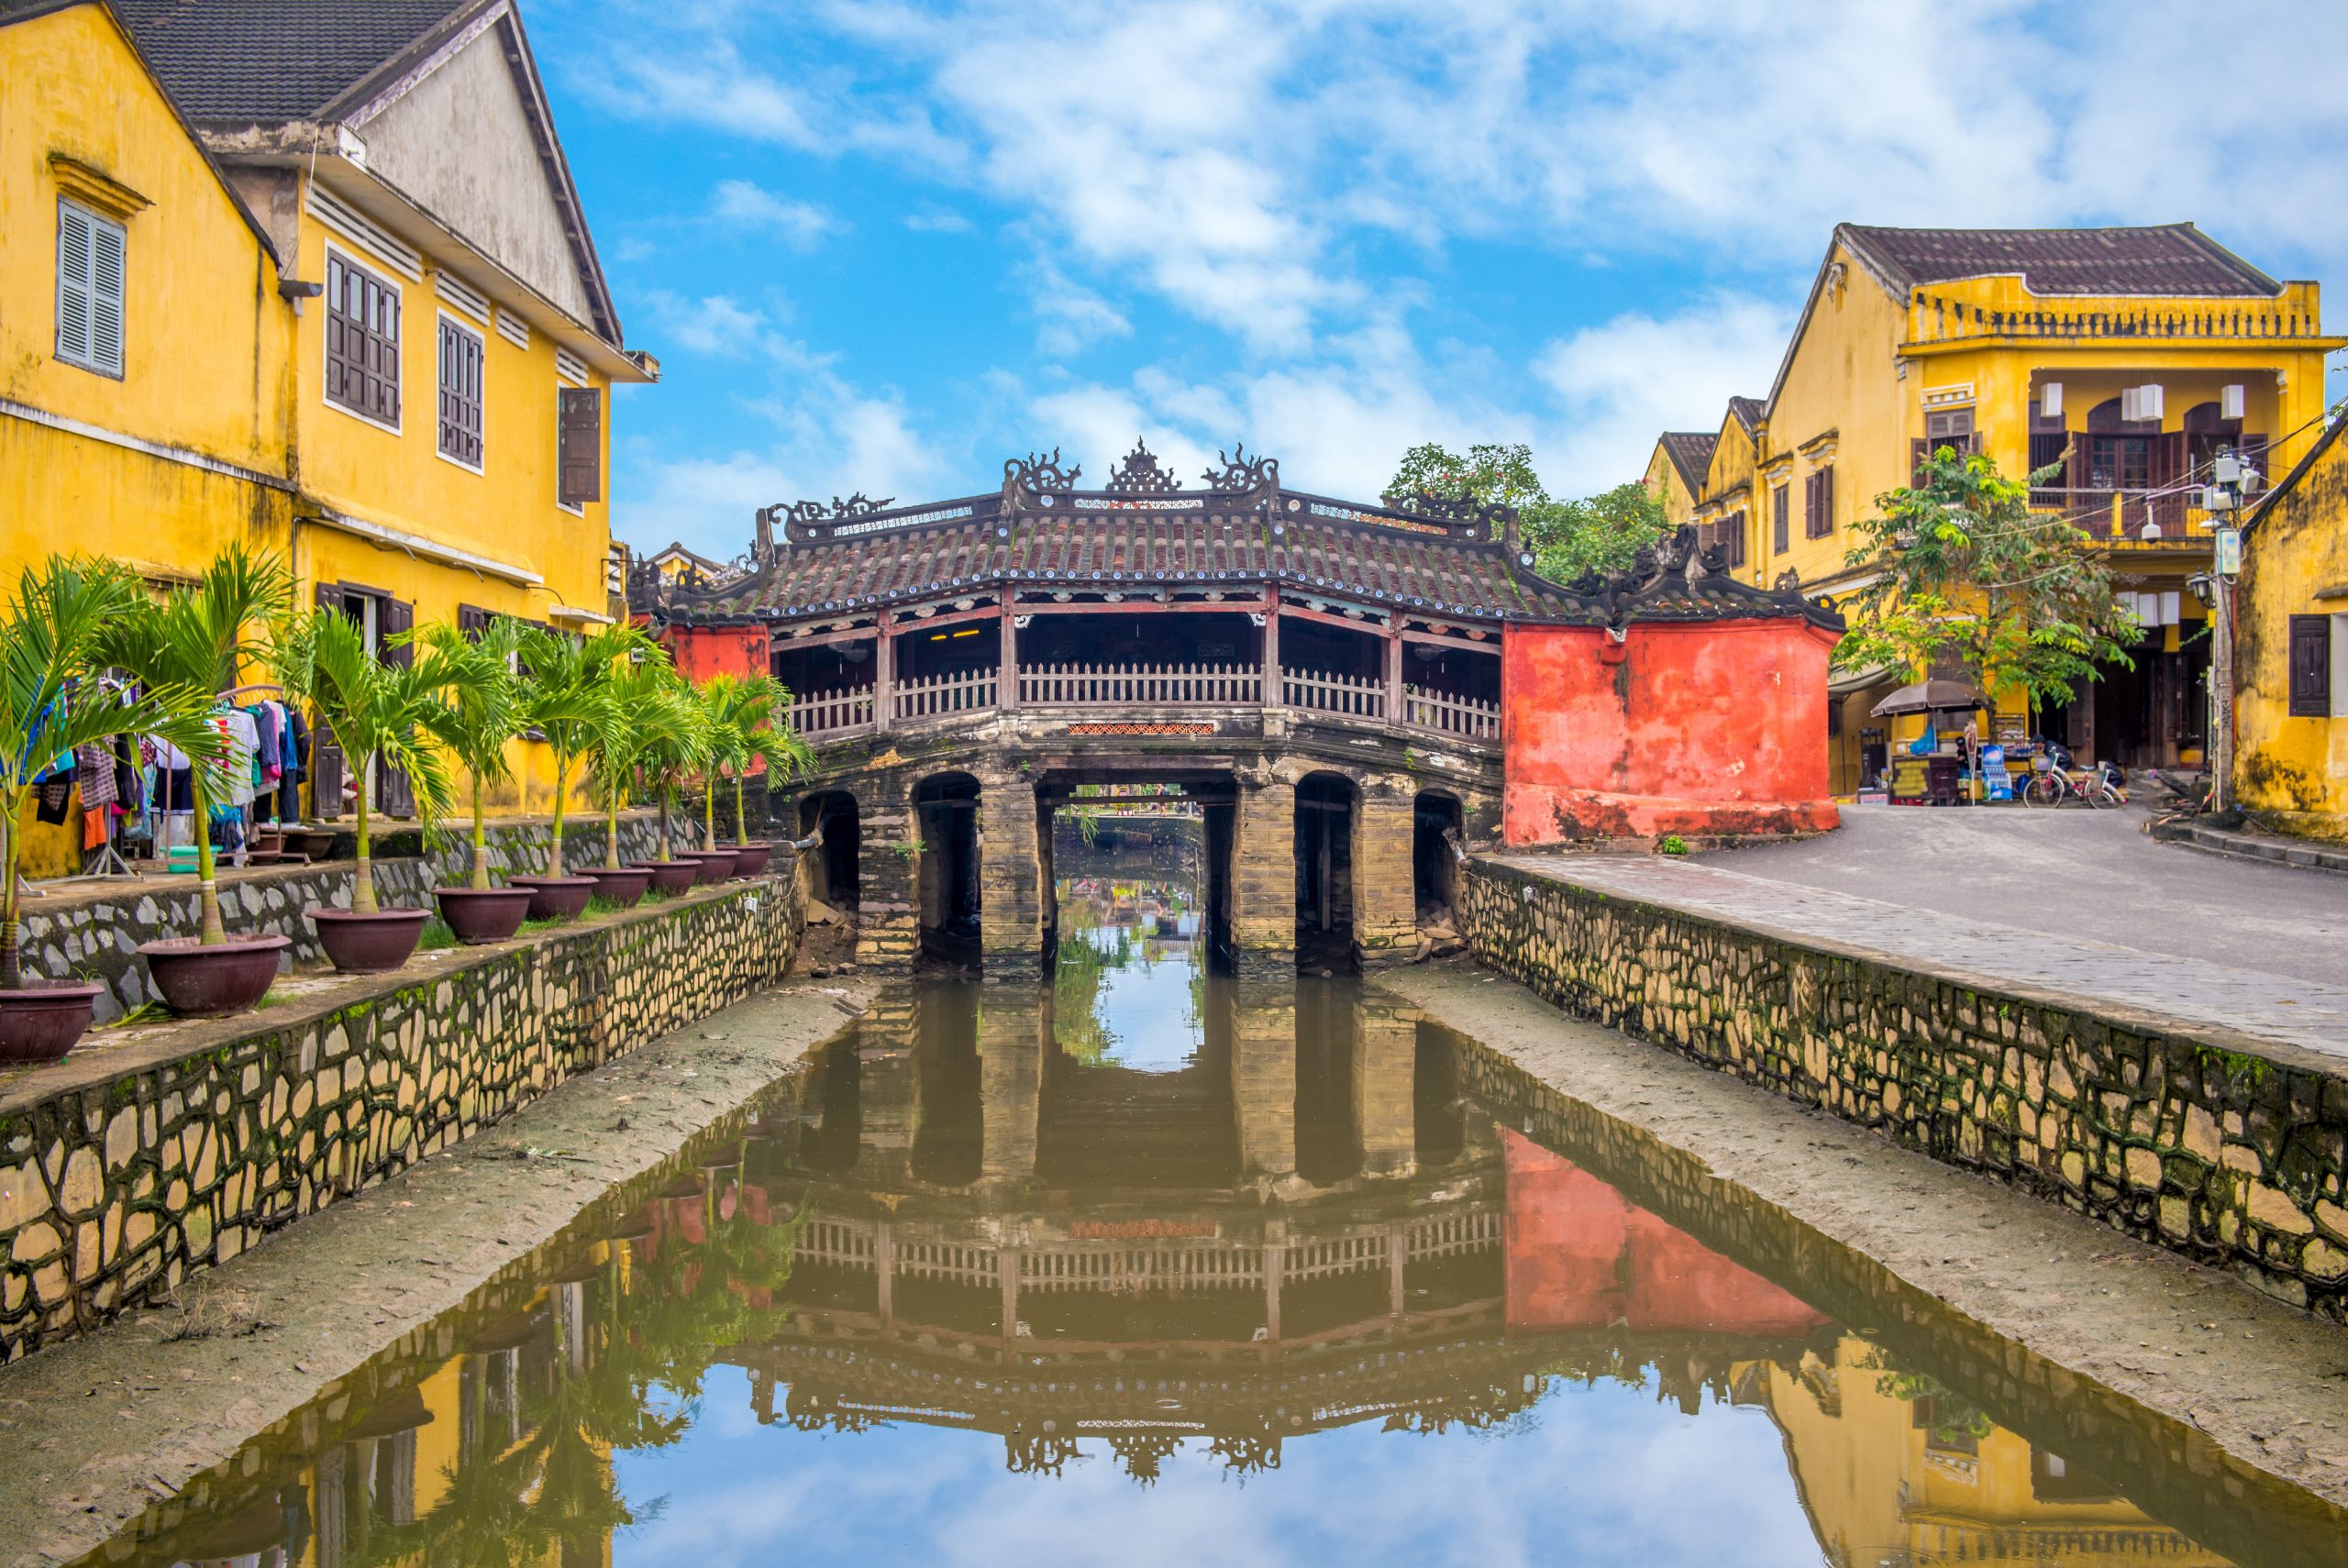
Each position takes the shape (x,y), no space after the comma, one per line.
(557,897)
(369,943)
(197,981)
(716,863)
(623,886)
(41,1023)
(315,842)
(750,859)
(484,914)
(670,878)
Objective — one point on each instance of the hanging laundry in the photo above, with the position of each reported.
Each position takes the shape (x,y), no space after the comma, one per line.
(93,767)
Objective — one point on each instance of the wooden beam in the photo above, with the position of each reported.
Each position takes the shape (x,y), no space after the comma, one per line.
(1144,607)
(779,642)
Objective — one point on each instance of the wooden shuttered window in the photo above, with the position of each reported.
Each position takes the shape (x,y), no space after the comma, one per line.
(1781,511)
(1731,540)
(2310,667)
(362,341)
(325,751)
(579,457)
(472,622)
(1818,503)
(91,253)
(462,359)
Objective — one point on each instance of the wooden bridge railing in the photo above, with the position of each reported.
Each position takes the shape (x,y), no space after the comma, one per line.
(1140,686)
(925,698)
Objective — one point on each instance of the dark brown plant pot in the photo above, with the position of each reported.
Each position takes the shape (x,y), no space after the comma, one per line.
(369,943)
(623,886)
(484,914)
(41,1022)
(750,859)
(557,897)
(717,865)
(670,878)
(315,842)
(197,981)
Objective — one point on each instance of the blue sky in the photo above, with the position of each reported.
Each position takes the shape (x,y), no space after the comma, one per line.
(883,247)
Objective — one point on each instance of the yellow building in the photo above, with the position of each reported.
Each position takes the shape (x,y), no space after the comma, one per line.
(2291,648)
(318,284)
(1891,1471)
(1676,472)
(2128,356)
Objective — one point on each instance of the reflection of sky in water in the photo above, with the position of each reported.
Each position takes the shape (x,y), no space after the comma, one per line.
(1595,1475)
(1145,1008)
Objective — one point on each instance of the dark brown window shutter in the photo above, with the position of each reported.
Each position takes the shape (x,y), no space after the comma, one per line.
(2310,667)
(1782,504)
(472,622)
(580,412)
(1918,450)
(1733,540)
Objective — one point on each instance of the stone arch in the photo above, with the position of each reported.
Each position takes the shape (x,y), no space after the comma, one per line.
(833,866)
(1328,805)
(946,863)
(1438,824)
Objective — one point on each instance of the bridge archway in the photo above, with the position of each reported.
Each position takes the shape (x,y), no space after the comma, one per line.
(834,868)
(1327,805)
(947,869)
(1437,822)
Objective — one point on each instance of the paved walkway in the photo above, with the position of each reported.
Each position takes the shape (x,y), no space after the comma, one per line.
(2311,1014)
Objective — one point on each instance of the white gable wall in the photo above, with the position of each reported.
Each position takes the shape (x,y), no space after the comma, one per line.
(460,142)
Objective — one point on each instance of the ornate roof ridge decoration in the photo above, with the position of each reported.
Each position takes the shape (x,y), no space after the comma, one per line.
(1681,579)
(1137,473)
(1036,481)
(1243,475)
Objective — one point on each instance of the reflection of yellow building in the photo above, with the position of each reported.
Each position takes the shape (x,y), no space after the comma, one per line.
(2128,356)
(2291,648)
(1892,1470)
(337,303)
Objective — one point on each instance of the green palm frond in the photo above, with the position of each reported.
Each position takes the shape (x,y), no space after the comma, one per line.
(482,710)
(376,710)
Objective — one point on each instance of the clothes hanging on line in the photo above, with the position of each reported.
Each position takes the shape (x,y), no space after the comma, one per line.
(93,770)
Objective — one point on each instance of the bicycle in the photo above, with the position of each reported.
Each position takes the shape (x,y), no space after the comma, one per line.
(2052,784)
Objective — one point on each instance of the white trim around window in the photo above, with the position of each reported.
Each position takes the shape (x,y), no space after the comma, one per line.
(326,341)
(445,319)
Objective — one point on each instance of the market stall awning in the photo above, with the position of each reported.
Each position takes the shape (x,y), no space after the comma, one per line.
(1932,697)
(1849,680)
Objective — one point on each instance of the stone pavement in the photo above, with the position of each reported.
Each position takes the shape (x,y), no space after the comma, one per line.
(2311,1014)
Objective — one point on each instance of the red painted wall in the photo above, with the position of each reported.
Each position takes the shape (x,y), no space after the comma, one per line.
(1715,729)
(701,651)
(1579,1255)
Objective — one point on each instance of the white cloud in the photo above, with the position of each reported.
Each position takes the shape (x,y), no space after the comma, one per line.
(743,202)
(937,220)
(1074,317)
(1621,383)
(714,325)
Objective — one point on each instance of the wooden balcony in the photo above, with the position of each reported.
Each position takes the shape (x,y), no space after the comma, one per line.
(2164,518)
(1098,689)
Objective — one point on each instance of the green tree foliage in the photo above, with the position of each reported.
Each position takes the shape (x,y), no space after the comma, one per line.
(1568,538)
(482,711)
(1966,568)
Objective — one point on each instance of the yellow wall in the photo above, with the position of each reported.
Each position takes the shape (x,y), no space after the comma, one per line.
(1878,1490)
(1663,480)
(2295,548)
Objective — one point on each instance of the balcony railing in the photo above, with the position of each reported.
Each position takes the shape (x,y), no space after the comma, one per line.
(2142,516)
(831,714)
(1140,686)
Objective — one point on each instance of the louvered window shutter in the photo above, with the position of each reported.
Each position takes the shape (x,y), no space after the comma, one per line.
(579,445)
(90,253)
(2310,654)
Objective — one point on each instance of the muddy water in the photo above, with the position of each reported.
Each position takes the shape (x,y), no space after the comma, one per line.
(1147,1266)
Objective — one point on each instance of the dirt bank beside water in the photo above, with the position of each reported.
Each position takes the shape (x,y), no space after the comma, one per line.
(94,1431)
(2267,1384)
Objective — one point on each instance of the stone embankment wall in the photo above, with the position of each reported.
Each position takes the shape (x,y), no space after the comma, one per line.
(123,1169)
(93,931)
(2228,1149)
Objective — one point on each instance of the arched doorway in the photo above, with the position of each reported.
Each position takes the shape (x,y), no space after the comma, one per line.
(945,872)
(1326,805)
(1437,833)
(834,870)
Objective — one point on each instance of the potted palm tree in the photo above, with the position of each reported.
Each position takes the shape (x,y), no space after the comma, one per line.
(752,736)
(567,696)
(376,710)
(52,631)
(675,734)
(198,638)
(642,713)
(478,717)
(717,700)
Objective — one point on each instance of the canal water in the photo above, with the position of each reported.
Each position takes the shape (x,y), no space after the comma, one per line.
(1146,1266)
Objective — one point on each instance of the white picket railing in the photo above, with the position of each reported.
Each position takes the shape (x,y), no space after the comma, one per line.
(1345,694)
(967,691)
(1140,685)
(827,712)
(1447,715)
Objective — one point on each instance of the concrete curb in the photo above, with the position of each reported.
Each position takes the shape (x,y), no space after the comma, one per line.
(2250,846)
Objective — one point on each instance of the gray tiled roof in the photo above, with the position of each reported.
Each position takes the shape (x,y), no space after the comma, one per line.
(1691,452)
(271,61)
(2170,260)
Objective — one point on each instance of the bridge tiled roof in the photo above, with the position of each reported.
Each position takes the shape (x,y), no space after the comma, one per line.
(1451,557)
